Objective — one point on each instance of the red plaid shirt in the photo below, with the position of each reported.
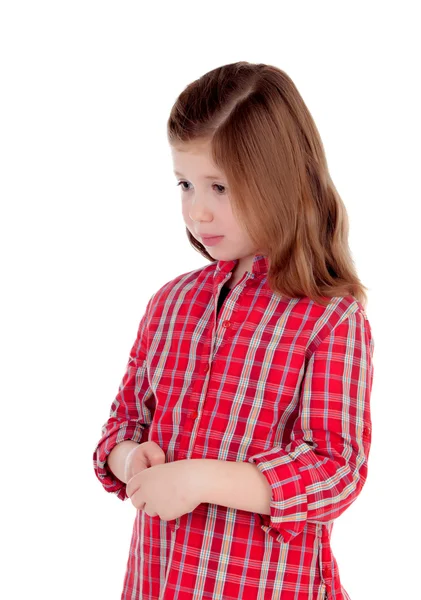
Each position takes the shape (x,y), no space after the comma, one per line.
(284,384)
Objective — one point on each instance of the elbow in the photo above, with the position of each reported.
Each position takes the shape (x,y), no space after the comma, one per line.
(348,491)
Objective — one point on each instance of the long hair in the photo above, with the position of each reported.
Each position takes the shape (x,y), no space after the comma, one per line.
(263,137)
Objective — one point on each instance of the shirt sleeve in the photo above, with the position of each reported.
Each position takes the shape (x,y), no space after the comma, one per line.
(323,468)
(131,412)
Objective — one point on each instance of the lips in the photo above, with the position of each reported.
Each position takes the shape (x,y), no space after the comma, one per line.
(212,241)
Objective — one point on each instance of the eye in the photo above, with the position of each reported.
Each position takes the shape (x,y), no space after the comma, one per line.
(183,188)
(215,184)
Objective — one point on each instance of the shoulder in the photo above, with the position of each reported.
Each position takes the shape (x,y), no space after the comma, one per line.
(344,312)
(183,284)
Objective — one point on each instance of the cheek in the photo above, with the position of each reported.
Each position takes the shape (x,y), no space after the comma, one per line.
(186,214)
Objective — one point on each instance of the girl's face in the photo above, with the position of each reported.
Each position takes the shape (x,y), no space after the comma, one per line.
(206,206)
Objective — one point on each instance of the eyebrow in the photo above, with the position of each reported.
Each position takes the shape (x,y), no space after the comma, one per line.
(205,177)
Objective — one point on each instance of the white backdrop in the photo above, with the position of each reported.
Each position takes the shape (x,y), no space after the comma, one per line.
(91,226)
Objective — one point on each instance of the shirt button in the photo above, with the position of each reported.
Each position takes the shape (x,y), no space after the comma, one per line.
(366,431)
(226,324)
(193,415)
(206,368)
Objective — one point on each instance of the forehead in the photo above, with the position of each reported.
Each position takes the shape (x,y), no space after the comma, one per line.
(194,161)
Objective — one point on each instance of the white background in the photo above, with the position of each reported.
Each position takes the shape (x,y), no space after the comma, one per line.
(91,227)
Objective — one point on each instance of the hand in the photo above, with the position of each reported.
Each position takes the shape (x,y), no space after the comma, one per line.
(142,457)
(166,490)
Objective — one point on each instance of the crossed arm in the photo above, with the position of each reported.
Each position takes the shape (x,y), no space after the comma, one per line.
(237,485)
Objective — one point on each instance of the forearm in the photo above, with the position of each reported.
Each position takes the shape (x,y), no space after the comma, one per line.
(235,485)
(117,458)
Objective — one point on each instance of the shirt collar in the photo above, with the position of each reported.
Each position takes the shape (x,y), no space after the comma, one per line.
(260,265)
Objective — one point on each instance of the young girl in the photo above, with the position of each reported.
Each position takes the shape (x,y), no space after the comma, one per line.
(241,429)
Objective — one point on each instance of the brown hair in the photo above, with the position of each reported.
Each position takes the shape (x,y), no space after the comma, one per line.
(263,137)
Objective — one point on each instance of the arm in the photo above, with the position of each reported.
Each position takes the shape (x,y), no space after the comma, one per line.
(117,458)
(321,471)
(234,484)
(130,416)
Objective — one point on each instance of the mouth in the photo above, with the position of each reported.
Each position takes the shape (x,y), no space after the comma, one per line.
(211,241)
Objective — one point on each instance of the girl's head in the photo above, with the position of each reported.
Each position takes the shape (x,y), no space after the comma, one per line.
(206,205)
(270,193)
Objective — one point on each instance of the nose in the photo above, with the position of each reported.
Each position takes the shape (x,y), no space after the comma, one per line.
(198,210)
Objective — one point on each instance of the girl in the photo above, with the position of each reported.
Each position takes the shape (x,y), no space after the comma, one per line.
(241,429)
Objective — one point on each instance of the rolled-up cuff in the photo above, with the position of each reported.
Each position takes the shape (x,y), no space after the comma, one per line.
(122,432)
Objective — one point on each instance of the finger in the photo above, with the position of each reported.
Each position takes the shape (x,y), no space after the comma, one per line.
(137,501)
(158,459)
(132,486)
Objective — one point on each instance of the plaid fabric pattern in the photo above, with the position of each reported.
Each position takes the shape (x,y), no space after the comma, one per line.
(283,384)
